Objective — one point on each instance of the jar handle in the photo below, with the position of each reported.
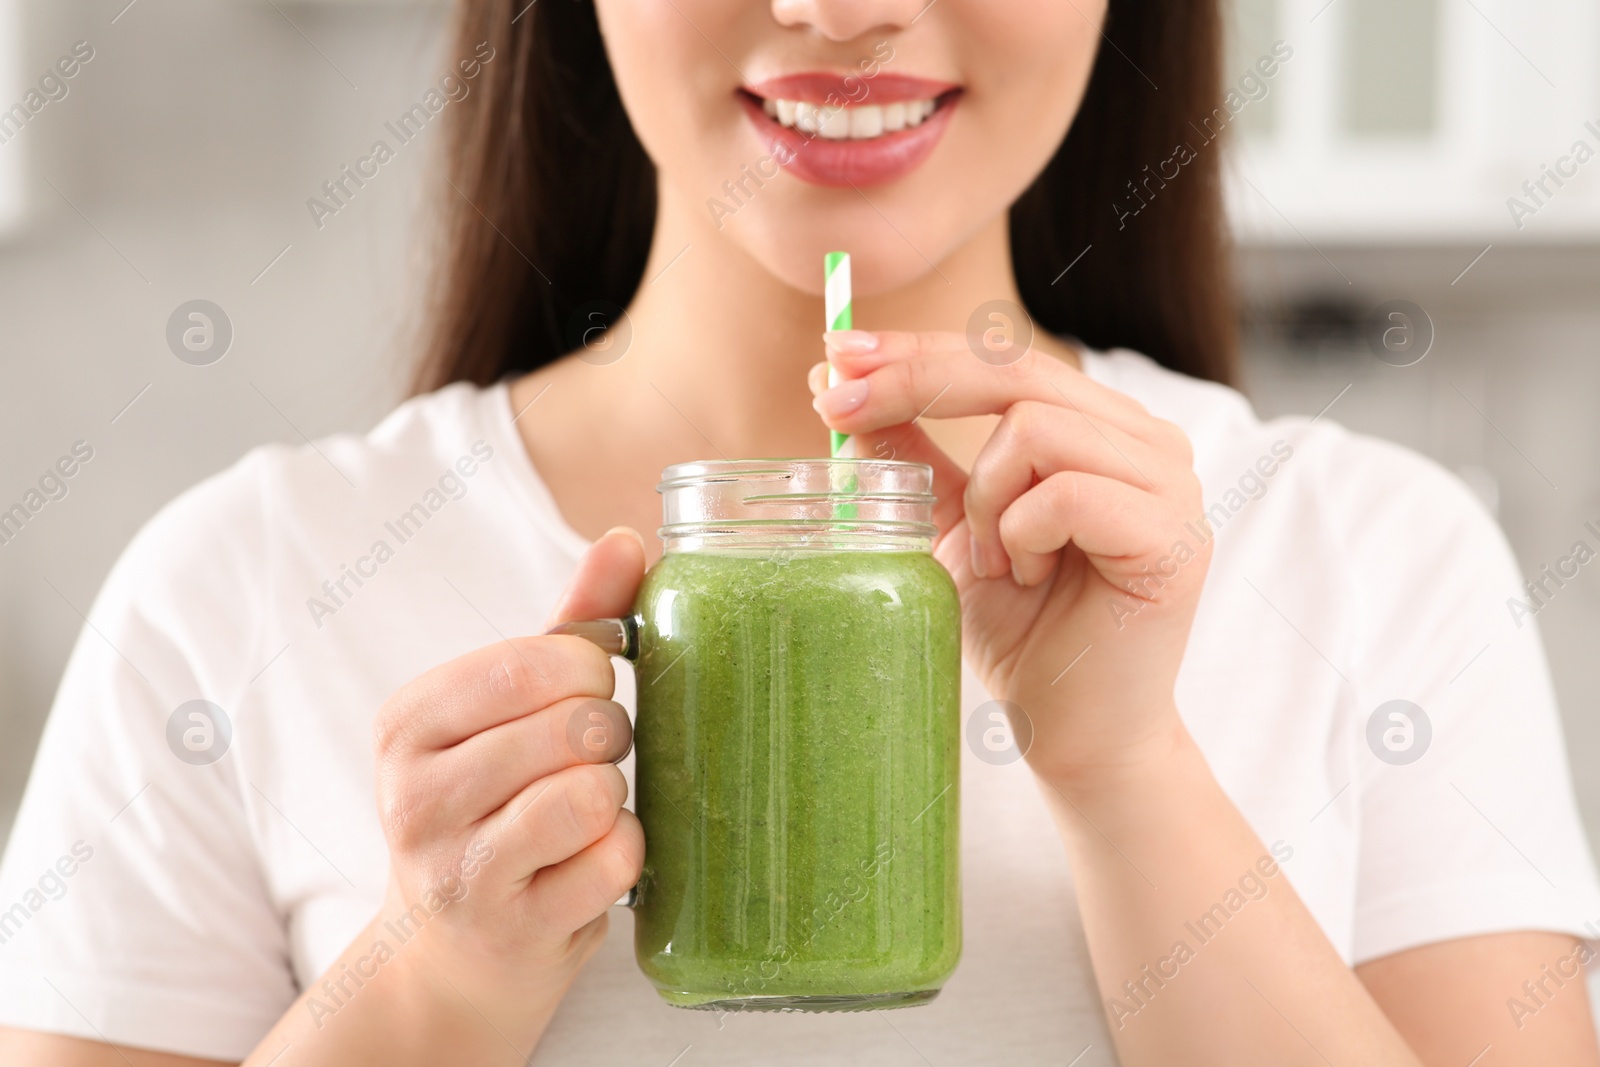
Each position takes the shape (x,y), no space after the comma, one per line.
(614,637)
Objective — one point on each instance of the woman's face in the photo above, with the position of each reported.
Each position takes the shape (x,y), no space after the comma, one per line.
(894,129)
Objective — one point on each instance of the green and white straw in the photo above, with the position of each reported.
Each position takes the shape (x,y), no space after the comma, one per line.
(836,305)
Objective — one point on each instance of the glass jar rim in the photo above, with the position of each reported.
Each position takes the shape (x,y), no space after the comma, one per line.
(822,502)
(702,471)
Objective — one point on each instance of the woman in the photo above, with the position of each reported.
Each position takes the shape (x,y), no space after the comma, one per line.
(1203,617)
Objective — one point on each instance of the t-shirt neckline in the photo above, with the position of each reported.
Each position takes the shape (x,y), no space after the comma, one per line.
(529,487)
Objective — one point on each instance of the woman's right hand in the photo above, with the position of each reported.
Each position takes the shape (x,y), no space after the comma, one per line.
(502,805)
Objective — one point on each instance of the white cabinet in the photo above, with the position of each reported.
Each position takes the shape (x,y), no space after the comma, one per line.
(1418,121)
(12,89)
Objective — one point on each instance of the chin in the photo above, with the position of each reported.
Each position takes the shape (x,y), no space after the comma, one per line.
(786,231)
(793,255)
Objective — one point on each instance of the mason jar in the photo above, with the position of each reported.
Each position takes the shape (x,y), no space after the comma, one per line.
(798,657)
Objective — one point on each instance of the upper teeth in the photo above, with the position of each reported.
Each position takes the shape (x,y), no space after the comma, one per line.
(857,123)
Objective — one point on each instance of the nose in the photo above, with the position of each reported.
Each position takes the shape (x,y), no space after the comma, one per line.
(846,20)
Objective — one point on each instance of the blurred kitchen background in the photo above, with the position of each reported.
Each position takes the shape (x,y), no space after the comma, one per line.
(1373,165)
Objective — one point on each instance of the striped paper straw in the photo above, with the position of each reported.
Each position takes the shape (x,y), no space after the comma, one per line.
(836,305)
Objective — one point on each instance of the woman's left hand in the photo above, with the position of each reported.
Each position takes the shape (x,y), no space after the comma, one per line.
(1078,540)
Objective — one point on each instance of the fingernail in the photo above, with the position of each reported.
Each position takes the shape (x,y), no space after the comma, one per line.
(631,532)
(851,342)
(976,554)
(817,378)
(841,399)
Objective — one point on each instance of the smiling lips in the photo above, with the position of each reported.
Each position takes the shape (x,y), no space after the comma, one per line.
(833,130)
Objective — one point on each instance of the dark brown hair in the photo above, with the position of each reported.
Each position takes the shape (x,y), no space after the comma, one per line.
(550,199)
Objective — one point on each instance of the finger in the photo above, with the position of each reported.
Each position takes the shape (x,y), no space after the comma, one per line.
(556,817)
(575,891)
(472,779)
(953,550)
(909,443)
(1032,442)
(861,351)
(1117,526)
(490,686)
(912,375)
(607,578)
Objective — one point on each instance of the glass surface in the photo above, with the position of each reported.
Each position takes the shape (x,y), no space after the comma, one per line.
(1390,67)
(797,760)
(1253,29)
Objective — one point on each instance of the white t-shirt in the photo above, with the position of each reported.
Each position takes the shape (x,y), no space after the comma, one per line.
(155,902)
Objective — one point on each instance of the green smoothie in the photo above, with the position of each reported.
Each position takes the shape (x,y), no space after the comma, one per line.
(798,764)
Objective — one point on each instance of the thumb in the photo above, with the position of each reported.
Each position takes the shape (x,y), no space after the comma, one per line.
(910,443)
(607,578)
